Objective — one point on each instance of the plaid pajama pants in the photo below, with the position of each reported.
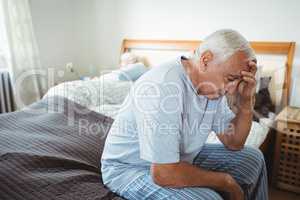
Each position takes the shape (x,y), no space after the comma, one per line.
(246,166)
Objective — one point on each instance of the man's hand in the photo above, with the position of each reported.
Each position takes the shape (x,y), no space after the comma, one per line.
(247,86)
(234,189)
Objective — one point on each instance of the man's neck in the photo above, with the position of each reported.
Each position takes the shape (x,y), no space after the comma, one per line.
(192,72)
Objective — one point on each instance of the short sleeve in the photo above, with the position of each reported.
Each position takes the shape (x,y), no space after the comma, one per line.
(223,116)
(157,112)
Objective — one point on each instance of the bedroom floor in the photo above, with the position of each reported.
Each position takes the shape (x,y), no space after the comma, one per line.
(276,194)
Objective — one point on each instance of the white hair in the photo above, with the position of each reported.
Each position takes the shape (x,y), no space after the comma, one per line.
(223,44)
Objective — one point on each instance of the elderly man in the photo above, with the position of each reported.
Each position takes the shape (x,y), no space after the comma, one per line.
(156,147)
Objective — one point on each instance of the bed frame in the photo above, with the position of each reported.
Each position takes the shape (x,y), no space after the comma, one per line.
(273,48)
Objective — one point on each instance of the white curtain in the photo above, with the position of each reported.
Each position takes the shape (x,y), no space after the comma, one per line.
(19,52)
(4,50)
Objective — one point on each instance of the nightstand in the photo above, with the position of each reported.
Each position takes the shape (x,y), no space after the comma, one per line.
(286,167)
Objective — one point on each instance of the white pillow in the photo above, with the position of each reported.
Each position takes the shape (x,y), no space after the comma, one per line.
(128,58)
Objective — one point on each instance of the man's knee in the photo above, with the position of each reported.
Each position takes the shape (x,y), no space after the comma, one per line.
(251,163)
(253,156)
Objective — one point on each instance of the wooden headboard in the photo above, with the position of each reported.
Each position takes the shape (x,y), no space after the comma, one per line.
(273,48)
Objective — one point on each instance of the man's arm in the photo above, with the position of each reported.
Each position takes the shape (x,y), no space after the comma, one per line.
(183,174)
(235,136)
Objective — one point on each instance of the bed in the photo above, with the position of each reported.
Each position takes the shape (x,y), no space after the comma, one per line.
(52,149)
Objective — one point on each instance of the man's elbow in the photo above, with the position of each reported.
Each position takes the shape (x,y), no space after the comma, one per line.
(231,143)
(235,147)
(160,176)
(159,180)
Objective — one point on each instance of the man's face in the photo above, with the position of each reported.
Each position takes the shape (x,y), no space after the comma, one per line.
(225,77)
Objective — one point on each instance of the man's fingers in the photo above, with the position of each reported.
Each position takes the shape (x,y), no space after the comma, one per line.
(248,75)
(253,67)
(249,80)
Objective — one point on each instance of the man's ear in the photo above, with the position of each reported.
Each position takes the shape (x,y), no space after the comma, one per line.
(206,57)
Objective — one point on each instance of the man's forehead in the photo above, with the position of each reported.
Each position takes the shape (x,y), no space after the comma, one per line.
(236,67)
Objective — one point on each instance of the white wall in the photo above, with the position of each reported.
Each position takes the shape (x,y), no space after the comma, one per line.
(273,20)
(78,31)
(65,33)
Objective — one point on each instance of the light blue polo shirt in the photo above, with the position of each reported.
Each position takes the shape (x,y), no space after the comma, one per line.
(162,120)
